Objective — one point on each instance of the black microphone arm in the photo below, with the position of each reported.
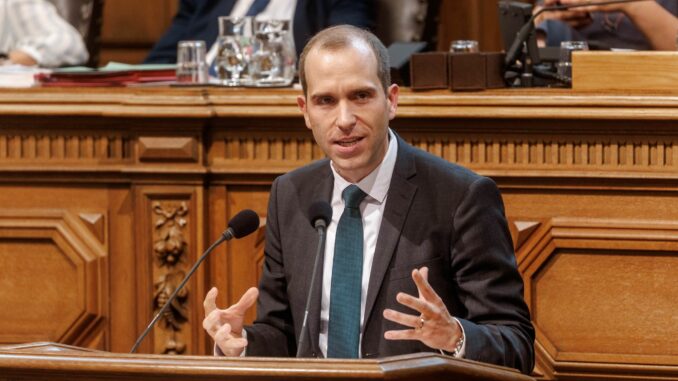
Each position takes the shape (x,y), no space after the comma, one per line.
(528,27)
(244,223)
(320,216)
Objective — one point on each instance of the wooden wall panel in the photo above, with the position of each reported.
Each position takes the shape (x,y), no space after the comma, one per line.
(54,278)
(130,28)
(470,20)
(589,182)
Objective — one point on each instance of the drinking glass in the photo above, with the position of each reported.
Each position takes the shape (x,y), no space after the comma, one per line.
(274,61)
(234,50)
(464,46)
(566,49)
(191,64)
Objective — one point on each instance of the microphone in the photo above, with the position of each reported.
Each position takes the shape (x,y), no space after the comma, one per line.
(528,27)
(320,216)
(244,223)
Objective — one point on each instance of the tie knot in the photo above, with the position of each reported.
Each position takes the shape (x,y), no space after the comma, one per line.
(352,196)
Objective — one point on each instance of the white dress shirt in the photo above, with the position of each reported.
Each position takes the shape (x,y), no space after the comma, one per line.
(375,185)
(35,28)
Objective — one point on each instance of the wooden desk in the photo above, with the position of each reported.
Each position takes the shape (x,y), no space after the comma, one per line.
(107,196)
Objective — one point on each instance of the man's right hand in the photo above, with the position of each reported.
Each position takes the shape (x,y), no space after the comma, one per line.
(226,326)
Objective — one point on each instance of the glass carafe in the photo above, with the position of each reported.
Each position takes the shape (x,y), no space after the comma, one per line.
(234,50)
(274,60)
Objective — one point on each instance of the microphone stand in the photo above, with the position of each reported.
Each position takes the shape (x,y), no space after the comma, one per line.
(224,237)
(320,227)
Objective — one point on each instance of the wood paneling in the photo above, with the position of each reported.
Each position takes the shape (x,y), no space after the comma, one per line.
(470,20)
(130,28)
(589,183)
(54,283)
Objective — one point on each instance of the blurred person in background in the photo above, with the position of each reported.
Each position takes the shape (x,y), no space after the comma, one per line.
(641,25)
(32,33)
(198,20)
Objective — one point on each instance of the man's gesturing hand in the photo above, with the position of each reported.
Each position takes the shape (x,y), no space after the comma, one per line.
(434,327)
(226,326)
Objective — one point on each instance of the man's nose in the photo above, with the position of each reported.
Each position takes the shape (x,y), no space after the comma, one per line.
(346,117)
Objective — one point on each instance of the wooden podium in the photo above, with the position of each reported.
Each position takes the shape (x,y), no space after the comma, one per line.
(50,361)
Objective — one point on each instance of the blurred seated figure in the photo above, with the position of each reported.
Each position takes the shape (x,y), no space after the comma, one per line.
(642,25)
(33,33)
(197,20)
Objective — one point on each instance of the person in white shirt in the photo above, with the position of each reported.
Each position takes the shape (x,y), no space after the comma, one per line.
(33,33)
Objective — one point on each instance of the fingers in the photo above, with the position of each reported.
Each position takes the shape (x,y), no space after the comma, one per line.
(403,334)
(422,306)
(246,301)
(210,303)
(420,277)
(229,343)
(401,318)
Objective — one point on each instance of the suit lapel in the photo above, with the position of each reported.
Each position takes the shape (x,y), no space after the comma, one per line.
(322,191)
(400,195)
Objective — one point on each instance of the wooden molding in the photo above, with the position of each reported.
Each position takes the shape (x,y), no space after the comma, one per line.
(55,268)
(95,223)
(588,281)
(168,148)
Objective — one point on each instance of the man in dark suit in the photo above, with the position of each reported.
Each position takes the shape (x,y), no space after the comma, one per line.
(197,20)
(432,236)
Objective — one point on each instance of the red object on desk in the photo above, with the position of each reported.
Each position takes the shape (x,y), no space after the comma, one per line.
(105,78)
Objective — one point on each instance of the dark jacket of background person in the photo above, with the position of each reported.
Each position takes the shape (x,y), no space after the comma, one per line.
(197,20)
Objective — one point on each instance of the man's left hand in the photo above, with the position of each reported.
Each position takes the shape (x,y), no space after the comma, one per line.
(434,327)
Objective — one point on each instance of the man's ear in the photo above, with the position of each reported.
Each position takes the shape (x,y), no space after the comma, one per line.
(392,98)
(301,101)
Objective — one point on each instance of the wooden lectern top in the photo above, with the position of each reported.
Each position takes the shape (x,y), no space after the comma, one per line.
(50,361)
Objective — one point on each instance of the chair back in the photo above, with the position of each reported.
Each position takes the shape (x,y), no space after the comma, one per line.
(86,16)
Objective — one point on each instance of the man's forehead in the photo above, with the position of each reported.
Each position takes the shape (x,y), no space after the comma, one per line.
(328,52)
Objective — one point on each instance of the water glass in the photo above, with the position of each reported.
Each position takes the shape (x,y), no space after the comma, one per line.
(565,62)
(234,50)
(464,46)
(191,64)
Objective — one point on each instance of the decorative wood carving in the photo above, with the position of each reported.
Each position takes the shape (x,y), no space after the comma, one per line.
(588,284)
(558,152)
(168,148)
(53,277)
(95,223)
(594,158)
(171,251)
(63,147)
(521,231)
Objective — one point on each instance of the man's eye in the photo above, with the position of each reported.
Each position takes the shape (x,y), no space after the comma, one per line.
(325,100)
(363,95)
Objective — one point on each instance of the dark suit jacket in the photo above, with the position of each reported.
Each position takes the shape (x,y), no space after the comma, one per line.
(197,20)
(437,214)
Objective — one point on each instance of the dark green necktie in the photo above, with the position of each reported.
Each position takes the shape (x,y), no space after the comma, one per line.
(347,274)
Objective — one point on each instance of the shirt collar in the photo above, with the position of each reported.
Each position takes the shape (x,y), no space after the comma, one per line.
(377,182)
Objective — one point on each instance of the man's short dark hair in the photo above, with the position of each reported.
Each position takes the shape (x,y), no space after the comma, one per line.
(342,36)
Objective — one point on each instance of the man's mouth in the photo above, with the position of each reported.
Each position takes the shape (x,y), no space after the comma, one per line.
(348,142)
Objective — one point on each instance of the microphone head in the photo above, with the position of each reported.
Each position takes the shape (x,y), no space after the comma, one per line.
(244,223)
(320,212)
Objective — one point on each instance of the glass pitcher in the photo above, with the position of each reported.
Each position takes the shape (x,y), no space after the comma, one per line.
(235,45)
(274,60)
